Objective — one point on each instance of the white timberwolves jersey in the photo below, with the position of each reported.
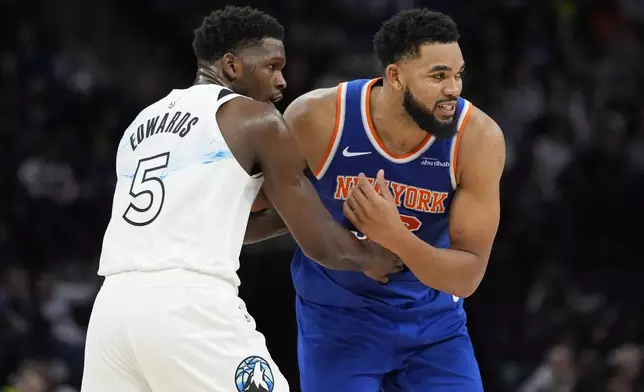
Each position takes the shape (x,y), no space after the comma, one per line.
(181,198)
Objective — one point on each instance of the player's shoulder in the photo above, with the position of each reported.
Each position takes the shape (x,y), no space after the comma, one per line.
(249,111)
(313,118)
(322,104)
(481,128)
(481,139)
(223,99)
(250,119)
(317,103)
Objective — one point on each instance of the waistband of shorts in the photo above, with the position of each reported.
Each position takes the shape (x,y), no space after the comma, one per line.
(169,277)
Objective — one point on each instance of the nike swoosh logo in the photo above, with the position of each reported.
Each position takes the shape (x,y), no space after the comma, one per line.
(349,154)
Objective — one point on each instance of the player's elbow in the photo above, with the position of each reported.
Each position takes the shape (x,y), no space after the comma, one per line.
(459,288)
(468,286)
(461,285)
(466,290)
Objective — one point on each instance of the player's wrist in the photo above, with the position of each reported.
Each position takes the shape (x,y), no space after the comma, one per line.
(398,239)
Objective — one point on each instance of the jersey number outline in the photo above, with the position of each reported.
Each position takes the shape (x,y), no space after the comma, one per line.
(146,182)
(411,222)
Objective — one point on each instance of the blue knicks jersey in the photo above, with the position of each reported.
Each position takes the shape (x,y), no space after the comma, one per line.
(422,182)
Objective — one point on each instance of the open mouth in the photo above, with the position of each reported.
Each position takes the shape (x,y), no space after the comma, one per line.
(446,108)
(276,98)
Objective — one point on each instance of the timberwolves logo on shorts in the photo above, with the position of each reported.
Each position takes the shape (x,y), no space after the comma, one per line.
(254,375)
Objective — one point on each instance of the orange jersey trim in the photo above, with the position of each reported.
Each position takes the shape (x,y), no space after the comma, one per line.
(372,129)
(458,138)
(334,135)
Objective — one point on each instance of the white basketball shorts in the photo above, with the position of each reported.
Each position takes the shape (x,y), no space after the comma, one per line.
(172,331)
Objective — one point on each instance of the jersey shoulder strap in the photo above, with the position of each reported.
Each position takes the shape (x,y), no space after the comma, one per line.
(226,95)
(347,102)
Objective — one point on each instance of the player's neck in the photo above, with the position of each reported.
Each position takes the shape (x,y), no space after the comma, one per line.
(207,75)
(392,124)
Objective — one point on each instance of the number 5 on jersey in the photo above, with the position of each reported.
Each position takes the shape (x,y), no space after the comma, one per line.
(147,191)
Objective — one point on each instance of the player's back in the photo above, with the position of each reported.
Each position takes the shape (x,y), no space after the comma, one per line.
(181,198)
(423,184)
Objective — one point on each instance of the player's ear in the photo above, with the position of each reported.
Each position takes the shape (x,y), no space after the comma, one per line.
(394,76)
(232,67)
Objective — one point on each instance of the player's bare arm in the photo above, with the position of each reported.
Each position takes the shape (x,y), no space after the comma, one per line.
(264,225)
(312,119)
(264,222)
(271,145)
(473,220)
(307,118)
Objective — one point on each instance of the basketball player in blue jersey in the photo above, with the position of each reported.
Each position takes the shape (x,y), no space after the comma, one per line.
(443,159)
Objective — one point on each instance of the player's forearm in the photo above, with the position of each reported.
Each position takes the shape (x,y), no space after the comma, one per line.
(333,246)
(264,225)
(452,271)
(337,249)
(350,254)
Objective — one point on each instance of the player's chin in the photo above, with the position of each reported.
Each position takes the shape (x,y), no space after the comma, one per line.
(444,119)
(273,99)
(276,98)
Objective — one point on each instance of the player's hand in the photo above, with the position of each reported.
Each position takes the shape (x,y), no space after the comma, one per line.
(385,263)
(374,213)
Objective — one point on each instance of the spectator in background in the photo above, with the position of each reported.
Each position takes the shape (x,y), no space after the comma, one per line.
(32,376)
(558,373)
(626,369)
(563,78)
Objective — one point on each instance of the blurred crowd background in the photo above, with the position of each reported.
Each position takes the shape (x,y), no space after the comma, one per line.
(560,309)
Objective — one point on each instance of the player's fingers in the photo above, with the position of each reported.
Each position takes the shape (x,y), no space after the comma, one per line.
(360,201)
(366,187)
(381,279)
(350,212)
(383,187)
(384,279)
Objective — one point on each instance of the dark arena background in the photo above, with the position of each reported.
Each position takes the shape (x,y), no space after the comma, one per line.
(561,307)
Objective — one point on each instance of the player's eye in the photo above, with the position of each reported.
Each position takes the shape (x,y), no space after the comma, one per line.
(439,76)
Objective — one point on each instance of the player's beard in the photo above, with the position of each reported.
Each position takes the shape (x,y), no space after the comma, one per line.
(425,119)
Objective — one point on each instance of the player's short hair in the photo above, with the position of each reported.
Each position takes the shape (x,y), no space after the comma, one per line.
(401,36)
(232,29)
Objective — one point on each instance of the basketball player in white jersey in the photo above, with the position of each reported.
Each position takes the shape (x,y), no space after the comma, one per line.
(189,167)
